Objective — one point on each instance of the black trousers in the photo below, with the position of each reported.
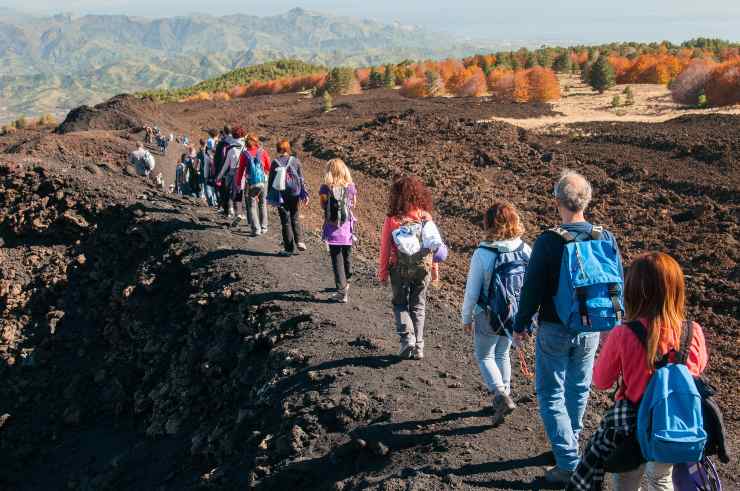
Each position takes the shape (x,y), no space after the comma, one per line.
(290,222)
(341,263)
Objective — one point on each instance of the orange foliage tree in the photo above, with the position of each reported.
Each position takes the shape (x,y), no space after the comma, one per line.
(473,82)
(520,91)
(543,85)
(501,84)
(414,87)
(723,86)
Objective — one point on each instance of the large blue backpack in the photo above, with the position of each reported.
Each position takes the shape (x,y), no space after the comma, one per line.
(254,168)
(670,425)
(502,302)
(589,294)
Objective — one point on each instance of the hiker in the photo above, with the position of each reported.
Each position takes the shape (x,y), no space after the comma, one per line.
(219,157)
(226,178)
(142,160)
(287,189)
(567,335)
(181,176)
(491,300)
(193,173)
(212,140)
(207,173)
(338,196)
(408,242)
(655,333)
(254,167)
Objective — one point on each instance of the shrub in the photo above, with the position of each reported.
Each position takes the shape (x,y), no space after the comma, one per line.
(501,84)
(328,102)
(375,79)
(473,83)
(543,85)
(563,63)
(414,87)
(47,120)
(521,86)
(616,101)
(690,83)
(21,123)
(433,83)
(723,86)
(389,77)
(601,75)
(629,97)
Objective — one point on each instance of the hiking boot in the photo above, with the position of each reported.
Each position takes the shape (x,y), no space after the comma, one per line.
(285,253)
(235,221)
(302,246)
(503,405)
(407,352)
(556,475)
(264,230)
(418,353)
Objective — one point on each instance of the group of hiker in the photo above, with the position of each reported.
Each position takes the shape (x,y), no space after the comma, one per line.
(568,290)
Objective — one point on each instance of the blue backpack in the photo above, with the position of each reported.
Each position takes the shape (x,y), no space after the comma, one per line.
(589,294)
(502,302)
(670,424)
(254,168)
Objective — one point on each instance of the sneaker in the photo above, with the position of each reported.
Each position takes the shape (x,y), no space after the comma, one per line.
(285,253)
(301,246)
(556,475)
(502,406)
(407,351)
(264,230)
(235,221)
(418,353)
(341,296)
(256,233)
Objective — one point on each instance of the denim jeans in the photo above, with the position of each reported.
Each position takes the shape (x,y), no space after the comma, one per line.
(492,353)
(659,477)
(564,367)
(210,193)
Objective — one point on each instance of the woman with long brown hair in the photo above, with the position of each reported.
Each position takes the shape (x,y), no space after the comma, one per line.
(410,248)
(655,295)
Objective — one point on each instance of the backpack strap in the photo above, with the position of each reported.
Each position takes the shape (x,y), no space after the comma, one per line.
(687,338)
(564,234)
(613,290)
(638,330)
(597,232)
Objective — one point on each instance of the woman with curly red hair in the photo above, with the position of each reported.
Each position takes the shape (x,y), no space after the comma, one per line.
(410,248)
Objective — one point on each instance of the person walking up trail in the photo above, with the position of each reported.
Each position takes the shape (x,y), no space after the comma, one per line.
(338,196)
(142,160)
(409,243)
(207,173)
(227,175)
(287,190)
(574,280)
(655,334)
(254,167)
(491,300)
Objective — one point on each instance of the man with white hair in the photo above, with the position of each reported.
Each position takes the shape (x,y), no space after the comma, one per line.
(567,343)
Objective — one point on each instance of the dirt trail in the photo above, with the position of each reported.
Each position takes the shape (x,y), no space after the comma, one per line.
(161,349)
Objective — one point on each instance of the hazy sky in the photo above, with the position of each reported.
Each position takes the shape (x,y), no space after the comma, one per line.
(577,20)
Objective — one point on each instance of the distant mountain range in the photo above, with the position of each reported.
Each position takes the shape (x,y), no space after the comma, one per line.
(52,64)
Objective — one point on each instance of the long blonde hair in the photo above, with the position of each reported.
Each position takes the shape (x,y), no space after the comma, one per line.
(655,290)
(337,174)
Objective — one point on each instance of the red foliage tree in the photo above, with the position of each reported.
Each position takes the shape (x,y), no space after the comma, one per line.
(689,84)
(543,85)
(723,86)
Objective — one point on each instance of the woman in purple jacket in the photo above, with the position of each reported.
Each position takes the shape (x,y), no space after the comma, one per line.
(338,196)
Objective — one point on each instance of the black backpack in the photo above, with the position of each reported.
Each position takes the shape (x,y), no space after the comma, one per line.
(337,207)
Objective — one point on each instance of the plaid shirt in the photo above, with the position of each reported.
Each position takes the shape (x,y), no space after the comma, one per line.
(619,423)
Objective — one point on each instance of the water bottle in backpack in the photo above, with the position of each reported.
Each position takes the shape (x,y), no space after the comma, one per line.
(590,288)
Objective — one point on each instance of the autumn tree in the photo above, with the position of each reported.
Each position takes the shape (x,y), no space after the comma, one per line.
(433,83)
(521,86)
(375,79)
(341,80)
(414,87)
(601,75)
(542,84)
(689,84)
(723,86)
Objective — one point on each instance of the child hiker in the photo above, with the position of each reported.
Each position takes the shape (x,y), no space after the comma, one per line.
(410,248)
(491,300)
(338,196)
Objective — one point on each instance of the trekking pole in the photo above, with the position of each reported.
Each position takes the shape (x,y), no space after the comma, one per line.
(523,365)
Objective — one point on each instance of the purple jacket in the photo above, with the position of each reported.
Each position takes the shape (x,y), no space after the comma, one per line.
(332,234)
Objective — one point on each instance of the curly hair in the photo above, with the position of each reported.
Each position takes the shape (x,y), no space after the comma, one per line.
(408,193)
(502,222)
(238,132)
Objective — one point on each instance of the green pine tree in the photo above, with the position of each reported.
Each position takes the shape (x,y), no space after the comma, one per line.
(389,77)
(602,75)
(562,63)
(531,61)
(375,79)
(328,102)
